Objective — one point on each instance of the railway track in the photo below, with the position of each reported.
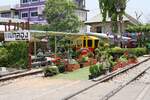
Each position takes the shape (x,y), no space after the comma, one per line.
(107,86)
(136,90)
(16,75)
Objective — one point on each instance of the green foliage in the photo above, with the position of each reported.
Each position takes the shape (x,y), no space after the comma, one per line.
(109,8)
(3,57)
(104,57)
(106,64)
(61,17)
(14,54)
(85,59)
(136,51)
(77,53)
(117,50)
(102,51)
(97,70)
(139,28)
(40,27)
(50,71)
(123,58)
(90,55)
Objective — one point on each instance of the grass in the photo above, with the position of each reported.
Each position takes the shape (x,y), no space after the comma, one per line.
(81,74)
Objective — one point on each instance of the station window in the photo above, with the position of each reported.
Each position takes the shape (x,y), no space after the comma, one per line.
(24,15)
(99,29)
(25,1)
(34,0)
(34,14)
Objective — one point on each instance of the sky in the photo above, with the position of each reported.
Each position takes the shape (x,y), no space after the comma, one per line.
(139,6)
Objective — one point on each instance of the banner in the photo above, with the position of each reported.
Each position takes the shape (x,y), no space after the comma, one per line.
(17,36)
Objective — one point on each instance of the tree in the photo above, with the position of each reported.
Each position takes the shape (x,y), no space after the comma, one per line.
(138,15)
(113,9)
(60,15)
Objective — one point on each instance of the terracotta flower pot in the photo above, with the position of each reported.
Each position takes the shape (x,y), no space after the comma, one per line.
(132,61)
(72,67)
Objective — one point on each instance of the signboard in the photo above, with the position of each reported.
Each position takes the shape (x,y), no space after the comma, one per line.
(17,36)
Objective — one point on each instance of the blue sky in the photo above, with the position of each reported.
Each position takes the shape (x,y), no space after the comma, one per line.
(92,5)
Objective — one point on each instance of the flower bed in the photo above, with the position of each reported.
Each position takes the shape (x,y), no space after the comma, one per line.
(124,64)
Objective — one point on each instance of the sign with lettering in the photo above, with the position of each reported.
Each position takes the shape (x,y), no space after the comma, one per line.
(17,36)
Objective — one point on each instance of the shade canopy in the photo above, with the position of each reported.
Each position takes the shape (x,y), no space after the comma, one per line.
(73,35)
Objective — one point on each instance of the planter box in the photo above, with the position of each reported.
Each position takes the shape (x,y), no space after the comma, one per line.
(132,61)
(72,67)
(88,63)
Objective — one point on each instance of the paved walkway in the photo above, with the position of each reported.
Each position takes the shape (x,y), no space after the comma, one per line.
(39,88)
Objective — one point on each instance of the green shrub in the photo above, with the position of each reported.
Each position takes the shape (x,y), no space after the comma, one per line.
(123,58)
(96,70)
(77,54)
(138,51)
(3,57)
(50,71)
(106,65)
(117,50)
(90,55)
(101,68)
(17,54)
(93,70)
(85,59)
(106,45)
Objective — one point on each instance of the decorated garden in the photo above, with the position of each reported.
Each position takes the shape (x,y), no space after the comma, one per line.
(103,60)
(71,56)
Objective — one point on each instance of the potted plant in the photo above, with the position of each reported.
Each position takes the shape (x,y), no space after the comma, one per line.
(61,67)
(85,61)
(72,65)
(90,55)
(95,71)
(132,59)
(50,71)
